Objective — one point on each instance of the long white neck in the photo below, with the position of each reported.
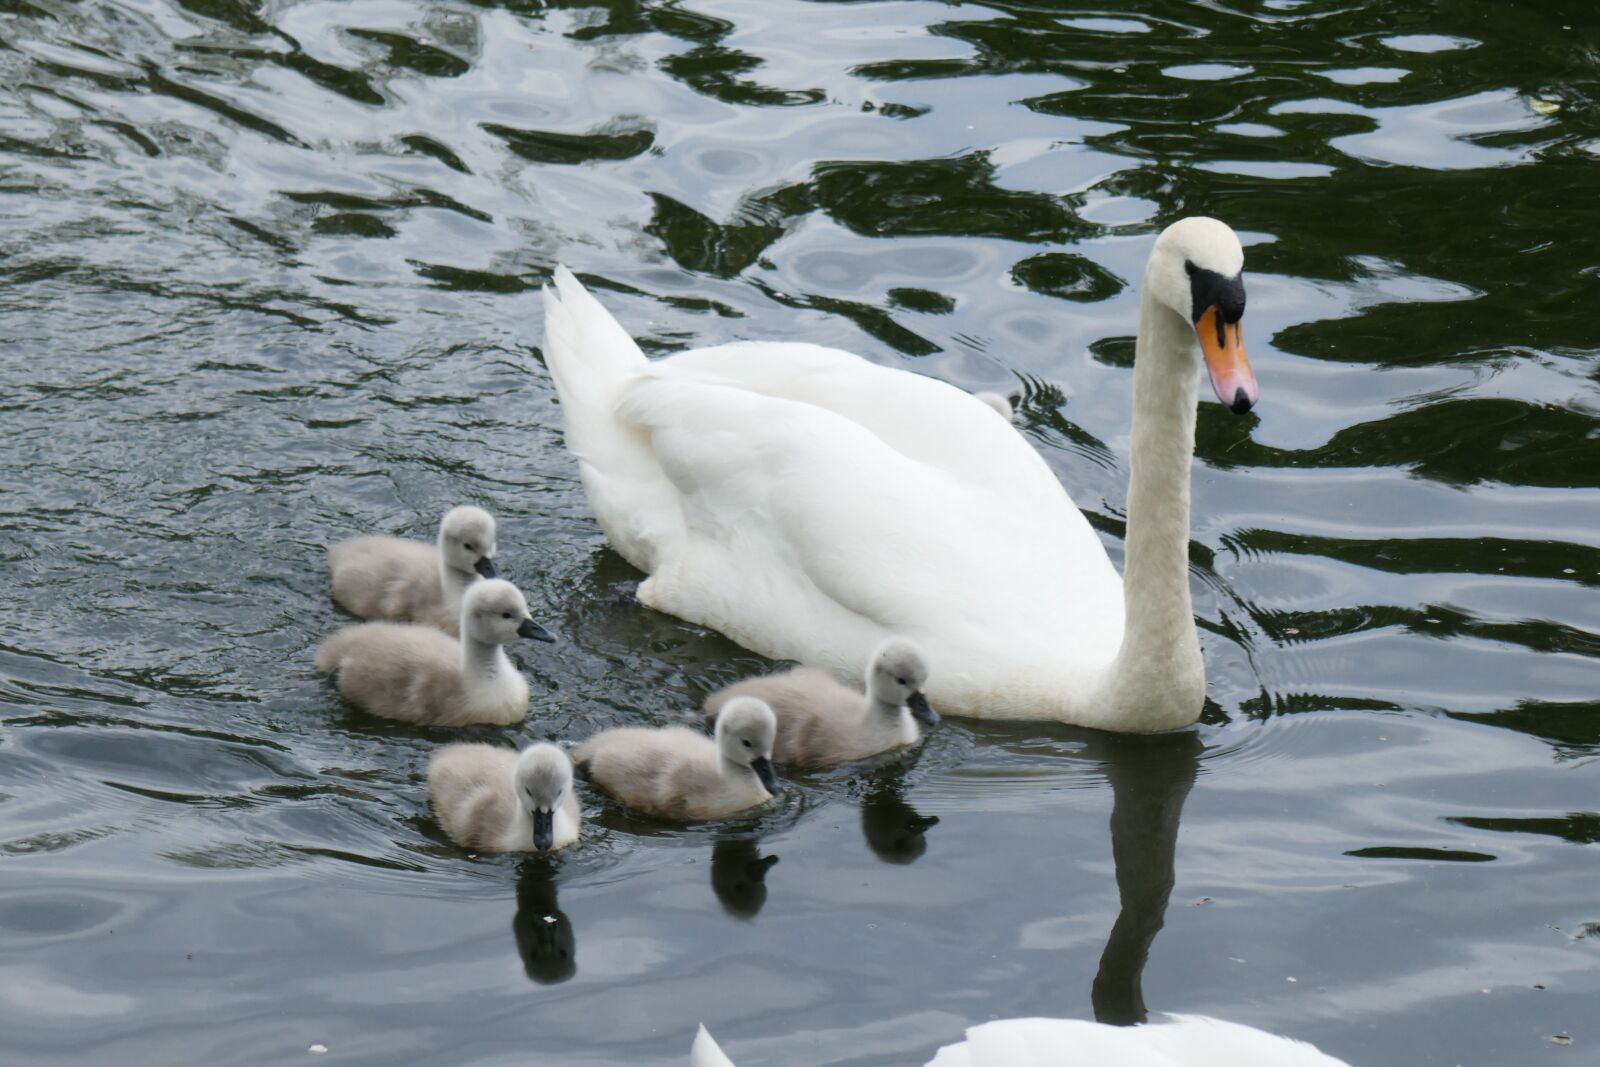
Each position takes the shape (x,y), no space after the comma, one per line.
(1157,681)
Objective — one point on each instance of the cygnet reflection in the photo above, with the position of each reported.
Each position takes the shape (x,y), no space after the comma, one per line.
(739,875)
(544,935)
(895,831)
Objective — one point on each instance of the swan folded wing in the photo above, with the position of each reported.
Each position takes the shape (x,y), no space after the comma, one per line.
(1203,1042)
(1061,1043)
(922,418)
(798,521)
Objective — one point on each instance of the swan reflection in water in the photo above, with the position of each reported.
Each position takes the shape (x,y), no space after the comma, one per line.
(544,935)
(894,829)
(739,874)
(1150,779)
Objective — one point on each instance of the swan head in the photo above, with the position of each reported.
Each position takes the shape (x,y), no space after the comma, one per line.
(1197,270)
(541,778)
(494,612)
(895,678)
(746,730)
(466,541)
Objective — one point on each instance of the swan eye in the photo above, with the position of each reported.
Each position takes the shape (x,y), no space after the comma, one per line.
(505,614)
(746,744)
(902,681)
(468,545)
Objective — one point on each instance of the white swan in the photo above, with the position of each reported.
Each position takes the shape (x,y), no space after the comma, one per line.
(821,722)
(1182,1041)
(498,800)
(407,581)
(809,504)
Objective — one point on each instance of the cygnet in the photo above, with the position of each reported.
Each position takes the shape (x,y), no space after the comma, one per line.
(821,722)
(678,773)
(407,581)
(496,800)
(417,674)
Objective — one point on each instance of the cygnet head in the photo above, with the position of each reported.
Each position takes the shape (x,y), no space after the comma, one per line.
(895,678)
(466,541)
(494,612)
(542,777)
(1197,270)
(746,729)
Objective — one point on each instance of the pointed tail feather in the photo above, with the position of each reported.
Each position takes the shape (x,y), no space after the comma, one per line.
(588,352)
(706,1052)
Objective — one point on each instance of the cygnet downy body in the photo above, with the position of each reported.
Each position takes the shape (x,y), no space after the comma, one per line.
(678,773)
(822,722)
(417,674)
(408,581)
(495,799)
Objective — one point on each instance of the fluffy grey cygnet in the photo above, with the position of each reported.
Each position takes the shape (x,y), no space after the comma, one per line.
(678,773)
(495,799)
(417,674)
(407,581)
(822,722)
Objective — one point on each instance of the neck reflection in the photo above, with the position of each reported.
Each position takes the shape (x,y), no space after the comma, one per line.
(1150,778)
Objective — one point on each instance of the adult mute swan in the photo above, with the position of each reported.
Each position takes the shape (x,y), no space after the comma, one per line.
(810,504)
(1181,1041)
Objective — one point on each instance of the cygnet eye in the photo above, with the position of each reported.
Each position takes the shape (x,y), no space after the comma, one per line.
(902,681)
(505,614)
(469,546)
(746,744)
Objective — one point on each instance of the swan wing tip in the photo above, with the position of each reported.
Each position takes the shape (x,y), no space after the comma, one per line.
(706,1052)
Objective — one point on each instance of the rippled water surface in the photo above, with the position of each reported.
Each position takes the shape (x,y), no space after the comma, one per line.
(268,278)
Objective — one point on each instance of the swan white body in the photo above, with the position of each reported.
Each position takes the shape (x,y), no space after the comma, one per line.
(495,799)
(407,581)
(415,673)
(1182,1041)
(810,504)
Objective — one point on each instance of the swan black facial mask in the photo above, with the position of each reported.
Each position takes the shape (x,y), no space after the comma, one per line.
(1218,307)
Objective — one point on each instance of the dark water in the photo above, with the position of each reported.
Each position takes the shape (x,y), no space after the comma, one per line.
(267,279)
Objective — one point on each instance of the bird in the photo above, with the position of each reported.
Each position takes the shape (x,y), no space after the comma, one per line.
(678,773)
(407,581)
(1182,1041)
(415,673)
(822,722)
(809,504)
(495,799)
